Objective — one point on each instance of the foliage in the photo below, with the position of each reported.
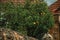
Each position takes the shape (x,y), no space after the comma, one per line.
(32,18)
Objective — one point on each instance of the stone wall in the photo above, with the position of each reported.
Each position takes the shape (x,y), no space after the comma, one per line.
(7,34)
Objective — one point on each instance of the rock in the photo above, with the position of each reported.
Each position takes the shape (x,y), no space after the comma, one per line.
(47,36)
(7,34)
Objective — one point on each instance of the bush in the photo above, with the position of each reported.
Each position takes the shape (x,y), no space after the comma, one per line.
(32,19)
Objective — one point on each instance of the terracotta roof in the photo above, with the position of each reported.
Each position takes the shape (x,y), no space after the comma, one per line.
(55,6)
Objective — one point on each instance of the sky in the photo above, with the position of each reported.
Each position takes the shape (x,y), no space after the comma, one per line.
(49,2)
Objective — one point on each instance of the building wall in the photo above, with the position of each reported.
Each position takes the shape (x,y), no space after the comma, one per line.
(55,30)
